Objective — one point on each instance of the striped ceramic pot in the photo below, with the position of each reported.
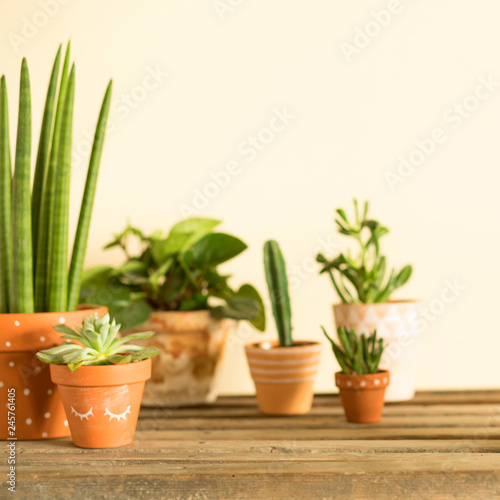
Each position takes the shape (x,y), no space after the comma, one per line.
(397,324)
(284,376)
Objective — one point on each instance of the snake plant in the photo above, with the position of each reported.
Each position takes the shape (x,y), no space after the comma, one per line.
(34,235)
(362,278)
(96,343)
(277,284)
(360,355)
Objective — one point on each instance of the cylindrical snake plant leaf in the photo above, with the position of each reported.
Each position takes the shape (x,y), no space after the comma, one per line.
(5,203)
(58,277)
(82,232)
(47,207)
(21,203)
(277,283)
(42,157)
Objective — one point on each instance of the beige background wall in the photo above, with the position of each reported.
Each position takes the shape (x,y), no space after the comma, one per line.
(193,80)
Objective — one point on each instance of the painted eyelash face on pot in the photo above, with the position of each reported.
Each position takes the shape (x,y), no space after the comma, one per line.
(106,413)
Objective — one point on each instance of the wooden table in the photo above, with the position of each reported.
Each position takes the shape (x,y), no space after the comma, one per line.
(440,445)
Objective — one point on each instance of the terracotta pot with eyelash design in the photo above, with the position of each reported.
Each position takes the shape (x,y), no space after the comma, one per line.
(102,402)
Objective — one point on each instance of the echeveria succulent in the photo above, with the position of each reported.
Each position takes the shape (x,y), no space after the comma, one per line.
(96,343)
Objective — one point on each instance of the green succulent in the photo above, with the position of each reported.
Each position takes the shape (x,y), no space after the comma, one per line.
(362,278)
(360,355)
(96,343)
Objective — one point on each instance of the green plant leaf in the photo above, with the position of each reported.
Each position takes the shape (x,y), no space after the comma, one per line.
(215,248)
(250,292)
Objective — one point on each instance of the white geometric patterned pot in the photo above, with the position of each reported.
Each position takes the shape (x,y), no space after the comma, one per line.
(396,323)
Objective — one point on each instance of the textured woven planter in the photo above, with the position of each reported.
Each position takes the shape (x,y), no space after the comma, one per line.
(39,412)
(362,396)
(102,403)
(191,347)
(396,323)
(284,376)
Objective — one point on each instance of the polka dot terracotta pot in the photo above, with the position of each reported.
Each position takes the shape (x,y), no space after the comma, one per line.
(38,409)
(102,402)
(397,324)
(362,396)
(284,376)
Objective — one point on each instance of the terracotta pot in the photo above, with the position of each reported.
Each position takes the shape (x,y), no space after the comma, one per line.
(102,403)
(362,396)
(284,376)
(191,347)
(38,409)
(396,323)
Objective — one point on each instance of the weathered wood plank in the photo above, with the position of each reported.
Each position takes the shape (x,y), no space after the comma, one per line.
(309,449)
(253,412)
(452,476)
(322,422)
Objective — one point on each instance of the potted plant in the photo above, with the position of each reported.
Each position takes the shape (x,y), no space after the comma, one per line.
(361,384)
(283,371)
(365,292)
(36,289)
(101,379)
(172,285)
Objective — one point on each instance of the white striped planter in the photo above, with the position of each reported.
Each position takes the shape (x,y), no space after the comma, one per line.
(284,376)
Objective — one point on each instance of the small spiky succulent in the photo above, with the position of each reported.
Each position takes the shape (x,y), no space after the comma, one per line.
(360,355)
(97,343)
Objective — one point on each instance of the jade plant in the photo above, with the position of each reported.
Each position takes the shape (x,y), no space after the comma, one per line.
(96,343)
(277,284)
(34,271)
(357,355)
(362,278)
(174,272)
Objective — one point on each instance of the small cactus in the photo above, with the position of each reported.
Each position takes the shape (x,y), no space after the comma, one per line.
(357,355)
(277,284)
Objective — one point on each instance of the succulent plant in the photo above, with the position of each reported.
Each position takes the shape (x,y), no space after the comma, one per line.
(96,343)
(35,277)
(277,284)
(362,278)
(173,272)
(360,355)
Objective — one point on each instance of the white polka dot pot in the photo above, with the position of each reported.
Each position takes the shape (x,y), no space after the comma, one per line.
(39,413)
(398,324)
(284,376)
(362,396)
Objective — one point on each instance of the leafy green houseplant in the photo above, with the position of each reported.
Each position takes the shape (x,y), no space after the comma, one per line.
(176,272)
(365,287)
(101,379)
(39,280)
(361,384)
(283,371)
(172,284)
